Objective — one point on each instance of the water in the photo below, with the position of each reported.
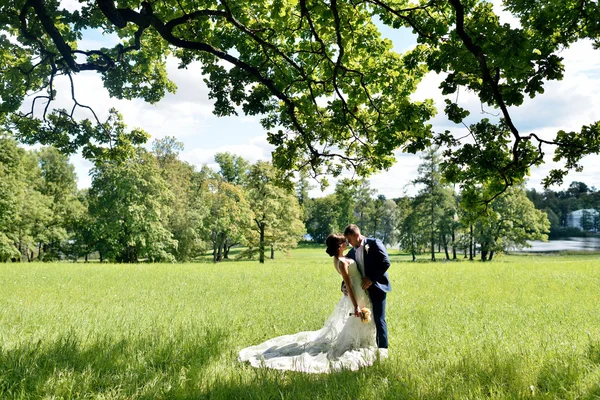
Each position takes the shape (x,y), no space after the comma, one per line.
(589,244)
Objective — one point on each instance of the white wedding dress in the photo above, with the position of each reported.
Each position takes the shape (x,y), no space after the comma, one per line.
(344,342)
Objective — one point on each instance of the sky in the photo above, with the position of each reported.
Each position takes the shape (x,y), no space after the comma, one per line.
(187,115)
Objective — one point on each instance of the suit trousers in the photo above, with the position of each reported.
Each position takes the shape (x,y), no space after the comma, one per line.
(378,298)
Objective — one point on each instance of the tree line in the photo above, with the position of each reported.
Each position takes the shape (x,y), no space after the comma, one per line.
(149,205)
(438,219)
(560,204)
(153,206)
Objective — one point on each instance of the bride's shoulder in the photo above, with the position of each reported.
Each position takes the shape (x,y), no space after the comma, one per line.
(345,260)
(337,261)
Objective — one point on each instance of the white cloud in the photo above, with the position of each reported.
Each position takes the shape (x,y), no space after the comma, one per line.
(393,183)
(505,16)
(396,182)
(82,166)
(257,149)
(71,5)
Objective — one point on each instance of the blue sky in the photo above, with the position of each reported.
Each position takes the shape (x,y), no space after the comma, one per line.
(187,115)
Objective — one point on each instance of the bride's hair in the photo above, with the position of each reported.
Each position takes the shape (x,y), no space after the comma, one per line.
(333,242)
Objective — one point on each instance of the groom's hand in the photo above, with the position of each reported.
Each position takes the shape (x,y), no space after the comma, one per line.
(366,283)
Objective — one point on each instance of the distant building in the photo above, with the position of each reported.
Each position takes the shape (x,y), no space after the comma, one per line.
(574,218)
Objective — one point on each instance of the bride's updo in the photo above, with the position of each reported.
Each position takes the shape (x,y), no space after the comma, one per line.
(334,242)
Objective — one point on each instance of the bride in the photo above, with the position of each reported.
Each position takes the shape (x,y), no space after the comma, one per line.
(346,341)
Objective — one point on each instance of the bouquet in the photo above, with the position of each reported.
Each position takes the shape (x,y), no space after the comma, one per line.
(365,315)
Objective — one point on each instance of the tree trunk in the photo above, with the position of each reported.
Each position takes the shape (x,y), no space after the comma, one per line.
(229,246)
(484,251)
(20,247)
(226,249)
(226,252)
(432,233)
(131,256)
(261,245)
(453,244)
(432,246)
(272,253)
(491,256)
(86,257)
(219,253)
(412,249)
(218,247)
(445,241)
(471,243)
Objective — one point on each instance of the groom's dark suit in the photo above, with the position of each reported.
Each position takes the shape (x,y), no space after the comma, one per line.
(376,263)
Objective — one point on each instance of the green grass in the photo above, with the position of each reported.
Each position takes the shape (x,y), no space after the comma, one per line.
(519,327)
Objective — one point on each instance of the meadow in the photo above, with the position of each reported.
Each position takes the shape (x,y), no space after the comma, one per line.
(518,327)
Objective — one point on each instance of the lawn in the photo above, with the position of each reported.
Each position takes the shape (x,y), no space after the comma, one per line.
(518,327)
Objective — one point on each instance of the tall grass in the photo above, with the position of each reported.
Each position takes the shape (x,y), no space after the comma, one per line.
(519,327)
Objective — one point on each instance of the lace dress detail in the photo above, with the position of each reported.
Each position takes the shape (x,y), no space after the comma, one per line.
(344,342)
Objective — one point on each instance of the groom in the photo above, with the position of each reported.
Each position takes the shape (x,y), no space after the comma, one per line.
(372,261)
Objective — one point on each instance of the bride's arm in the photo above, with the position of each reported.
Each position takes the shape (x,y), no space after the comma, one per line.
(343,270)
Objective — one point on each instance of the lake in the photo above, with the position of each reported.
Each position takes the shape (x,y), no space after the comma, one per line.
(588,243)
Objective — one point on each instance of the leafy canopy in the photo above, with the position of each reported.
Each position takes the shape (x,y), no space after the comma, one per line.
(329,89)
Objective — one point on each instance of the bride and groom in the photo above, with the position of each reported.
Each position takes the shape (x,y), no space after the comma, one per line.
(348,339)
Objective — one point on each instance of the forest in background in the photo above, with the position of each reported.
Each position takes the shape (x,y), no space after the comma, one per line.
(154,207)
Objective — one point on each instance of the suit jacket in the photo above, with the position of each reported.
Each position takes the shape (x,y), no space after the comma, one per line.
(377,262)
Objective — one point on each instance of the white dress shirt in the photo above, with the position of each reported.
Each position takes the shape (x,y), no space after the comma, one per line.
(360,256)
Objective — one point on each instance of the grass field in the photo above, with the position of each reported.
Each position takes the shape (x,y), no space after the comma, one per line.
(519,327)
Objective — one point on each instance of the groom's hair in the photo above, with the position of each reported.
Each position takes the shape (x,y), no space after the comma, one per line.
(352,230)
